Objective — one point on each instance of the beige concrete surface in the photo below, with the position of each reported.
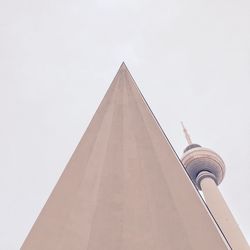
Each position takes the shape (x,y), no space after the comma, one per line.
(223,215)
(124,188)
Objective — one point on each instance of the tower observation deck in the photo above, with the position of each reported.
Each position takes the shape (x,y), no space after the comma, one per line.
(207,170)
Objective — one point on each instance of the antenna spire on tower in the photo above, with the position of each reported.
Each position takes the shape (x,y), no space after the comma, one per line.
(188,138)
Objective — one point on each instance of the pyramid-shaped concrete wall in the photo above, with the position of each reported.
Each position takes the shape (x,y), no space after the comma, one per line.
(124,187)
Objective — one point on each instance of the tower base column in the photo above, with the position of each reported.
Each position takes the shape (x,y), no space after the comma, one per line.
(222,214)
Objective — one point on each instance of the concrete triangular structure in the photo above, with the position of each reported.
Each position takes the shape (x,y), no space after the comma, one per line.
(124,187)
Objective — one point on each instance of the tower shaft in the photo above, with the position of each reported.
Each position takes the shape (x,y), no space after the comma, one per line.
(222,214)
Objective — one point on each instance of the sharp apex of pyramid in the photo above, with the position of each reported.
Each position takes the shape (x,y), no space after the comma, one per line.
(123,68)
(123,75)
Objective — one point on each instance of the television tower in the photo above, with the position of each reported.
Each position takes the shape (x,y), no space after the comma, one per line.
(207,170)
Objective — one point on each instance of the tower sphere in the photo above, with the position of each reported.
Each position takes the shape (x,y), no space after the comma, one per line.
(201,163)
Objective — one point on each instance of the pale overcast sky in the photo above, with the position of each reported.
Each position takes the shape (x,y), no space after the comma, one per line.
(191,60)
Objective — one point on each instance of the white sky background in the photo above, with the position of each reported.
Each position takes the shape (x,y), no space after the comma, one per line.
(191,60)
